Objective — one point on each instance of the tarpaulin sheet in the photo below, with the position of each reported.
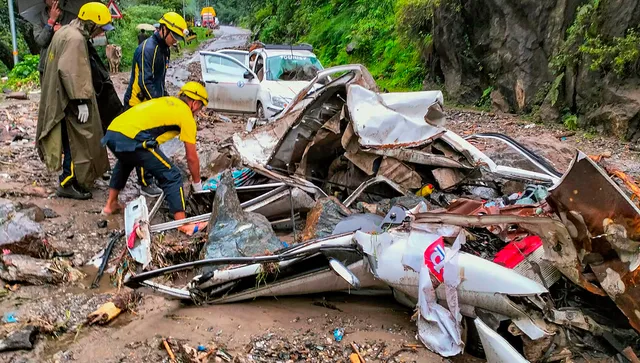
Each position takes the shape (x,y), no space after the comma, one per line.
(240,178)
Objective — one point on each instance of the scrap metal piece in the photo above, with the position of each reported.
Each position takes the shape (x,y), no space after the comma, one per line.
(249,206)
(367,222)
(496,348)
(370,182)
(447,178)
(548,275)
(105,258)
(558,246)
(156,206)
(418,157)
(400,173)
(586,188)
(477,157)
(536,160)
(396,119)
(622,287)
(344,272)
(628,250)
(136,213)
(315,282)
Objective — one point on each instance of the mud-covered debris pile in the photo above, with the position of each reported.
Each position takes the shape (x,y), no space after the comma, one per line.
(209,116)
(66,313)
(195,71)
(311,347)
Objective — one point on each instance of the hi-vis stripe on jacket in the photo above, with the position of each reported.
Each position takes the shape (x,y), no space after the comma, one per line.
(150,61)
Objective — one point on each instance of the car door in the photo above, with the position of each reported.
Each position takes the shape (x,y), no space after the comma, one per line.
(241,56)
(232,87)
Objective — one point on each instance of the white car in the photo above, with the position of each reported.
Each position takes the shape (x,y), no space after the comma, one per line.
(263,82)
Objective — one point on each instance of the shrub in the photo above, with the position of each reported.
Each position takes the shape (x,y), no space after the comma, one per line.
(485,100)
(570,121)
(25,74)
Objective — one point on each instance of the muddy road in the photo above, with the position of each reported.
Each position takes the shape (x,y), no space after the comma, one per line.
(276,329)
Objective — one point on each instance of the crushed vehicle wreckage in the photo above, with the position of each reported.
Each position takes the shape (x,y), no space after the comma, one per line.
(521,265)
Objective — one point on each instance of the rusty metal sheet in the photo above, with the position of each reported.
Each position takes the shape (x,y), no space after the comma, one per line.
(447,177)
(419,157)
(587,189)
(622,286)
(587,198)
(363,161)
(400,173)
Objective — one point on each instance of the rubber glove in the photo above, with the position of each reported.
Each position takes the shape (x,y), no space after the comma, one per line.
(197,187)
(83,113)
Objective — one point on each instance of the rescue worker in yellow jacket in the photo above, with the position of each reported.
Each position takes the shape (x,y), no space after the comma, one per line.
(134,138)
(150,62)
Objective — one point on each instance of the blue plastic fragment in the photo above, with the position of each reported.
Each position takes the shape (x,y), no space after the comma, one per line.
(202,348)
(338,334)
(9,318)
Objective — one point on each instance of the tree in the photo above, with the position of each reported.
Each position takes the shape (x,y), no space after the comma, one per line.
(24,32)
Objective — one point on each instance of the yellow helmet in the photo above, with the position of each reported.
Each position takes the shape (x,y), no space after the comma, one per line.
(96,12)
(195,91)
(175,23)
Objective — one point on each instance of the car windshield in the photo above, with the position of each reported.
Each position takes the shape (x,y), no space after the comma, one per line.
(292,68)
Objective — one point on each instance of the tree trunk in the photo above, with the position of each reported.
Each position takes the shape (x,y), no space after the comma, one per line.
(6,56)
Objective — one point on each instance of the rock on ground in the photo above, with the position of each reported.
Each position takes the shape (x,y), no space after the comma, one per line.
(19,339)
(323,218)
(234,232)
(19,233)
(25,269)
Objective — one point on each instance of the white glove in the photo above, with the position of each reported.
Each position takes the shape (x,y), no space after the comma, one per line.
(197,187)
(83,113)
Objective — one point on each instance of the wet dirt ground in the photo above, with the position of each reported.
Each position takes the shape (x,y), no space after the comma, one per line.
(235,328)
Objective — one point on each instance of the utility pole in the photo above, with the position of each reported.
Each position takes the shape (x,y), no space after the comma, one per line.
(12,25)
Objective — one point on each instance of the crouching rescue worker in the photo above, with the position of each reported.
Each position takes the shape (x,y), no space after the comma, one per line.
(68,116)
(134,138)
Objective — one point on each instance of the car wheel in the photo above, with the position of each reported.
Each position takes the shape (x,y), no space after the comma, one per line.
(261,113)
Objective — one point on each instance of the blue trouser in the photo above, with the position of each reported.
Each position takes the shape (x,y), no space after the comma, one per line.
(153,162)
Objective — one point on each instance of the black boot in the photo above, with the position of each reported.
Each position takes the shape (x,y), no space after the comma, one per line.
(73,192)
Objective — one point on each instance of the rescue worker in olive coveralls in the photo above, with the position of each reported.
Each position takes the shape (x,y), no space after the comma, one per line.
(68,117)
(134,138)
(150,62)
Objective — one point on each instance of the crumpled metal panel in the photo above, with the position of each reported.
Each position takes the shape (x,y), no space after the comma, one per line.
(622,286)
(587,189)
(393,119)
(303,126)
(557,242)
(592,205)
(419,157)
(400,173)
